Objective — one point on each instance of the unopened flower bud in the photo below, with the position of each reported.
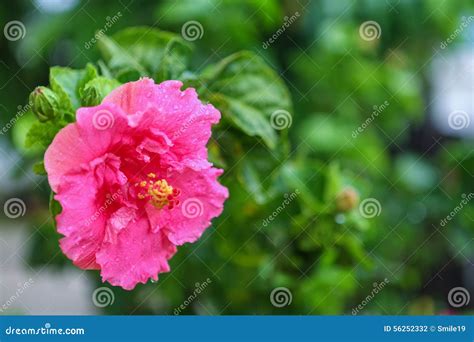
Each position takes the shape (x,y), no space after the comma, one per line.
(96,90)
(347,200)
(45,103)
(92,95)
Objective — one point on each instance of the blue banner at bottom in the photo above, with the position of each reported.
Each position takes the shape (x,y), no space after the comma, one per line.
(237,328)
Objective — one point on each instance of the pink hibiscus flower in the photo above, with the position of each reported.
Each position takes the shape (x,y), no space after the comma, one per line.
(133,179)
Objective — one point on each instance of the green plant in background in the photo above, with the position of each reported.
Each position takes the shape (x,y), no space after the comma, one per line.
(339,190)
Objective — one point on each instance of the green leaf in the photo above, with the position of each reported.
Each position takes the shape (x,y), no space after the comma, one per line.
(39,169)
(68,84)
(252,182)
(175,60)
(54,208)
(247,91)
(249,119)
(302,176)
(42,134)
(145,51)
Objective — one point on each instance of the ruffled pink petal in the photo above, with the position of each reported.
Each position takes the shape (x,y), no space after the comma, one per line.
(97,131)
(65,154)
(134,97)
(81,221)
(202,198)
(117,222)
(87,198)
(178,114)
(136,256)
(187,141)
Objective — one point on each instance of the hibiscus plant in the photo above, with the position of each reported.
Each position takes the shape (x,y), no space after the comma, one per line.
(126,148)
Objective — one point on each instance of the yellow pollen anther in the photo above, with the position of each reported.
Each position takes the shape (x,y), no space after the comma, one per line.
(159,192)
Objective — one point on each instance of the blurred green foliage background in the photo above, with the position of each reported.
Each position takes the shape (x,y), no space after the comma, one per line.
(319,246)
